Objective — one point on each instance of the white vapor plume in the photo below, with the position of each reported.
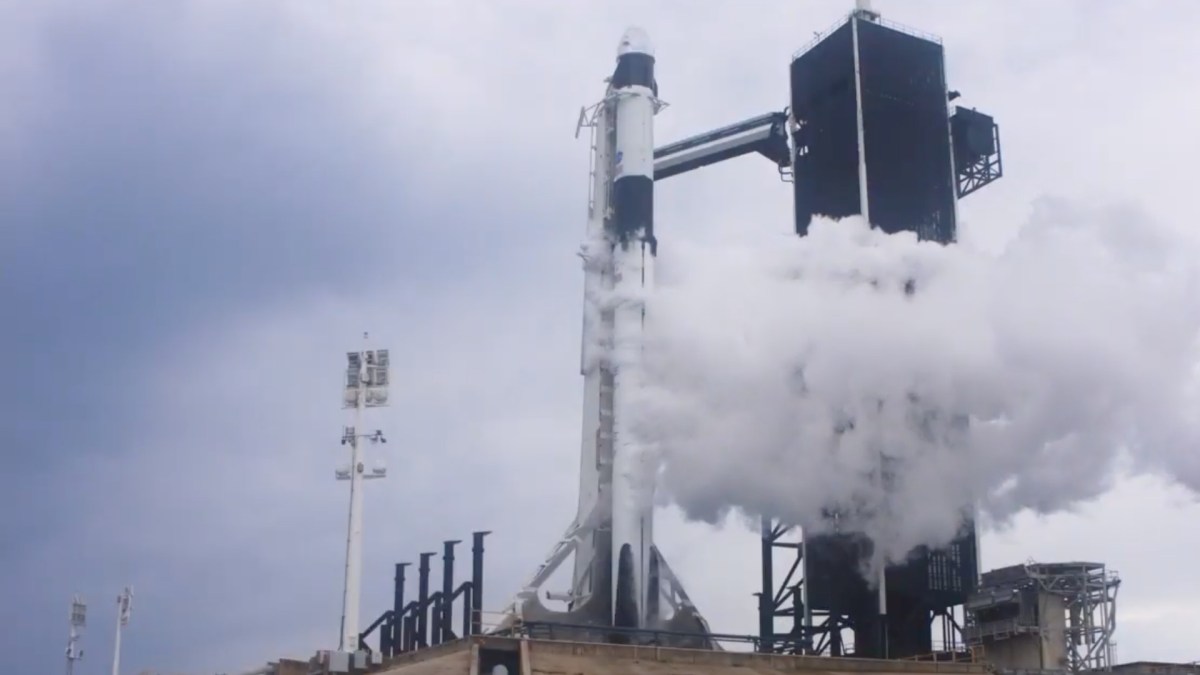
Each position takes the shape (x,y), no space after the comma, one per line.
(903,383)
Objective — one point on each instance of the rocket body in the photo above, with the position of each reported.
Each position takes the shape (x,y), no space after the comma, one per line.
(630,233)
(615,567)
(620,579)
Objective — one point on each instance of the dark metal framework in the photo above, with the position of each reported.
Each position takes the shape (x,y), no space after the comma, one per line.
(838,619)
(1009,606)
(765,135)
(429,620)
(802,632)
(976,140)
(556,630)
(868,114)
(872,135)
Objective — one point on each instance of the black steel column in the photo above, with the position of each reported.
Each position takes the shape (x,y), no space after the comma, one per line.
(446,613)
(410,632)
(395,625)
(477,582)
(766,597)
(466,609)
(435,618)
(423,600)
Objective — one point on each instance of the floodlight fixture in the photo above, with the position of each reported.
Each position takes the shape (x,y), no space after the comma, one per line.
(78,620)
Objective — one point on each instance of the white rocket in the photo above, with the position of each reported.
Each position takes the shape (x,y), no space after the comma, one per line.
(630,233)
(620,580)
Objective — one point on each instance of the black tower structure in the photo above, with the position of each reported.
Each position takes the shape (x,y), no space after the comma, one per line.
(872,135)
(869,132)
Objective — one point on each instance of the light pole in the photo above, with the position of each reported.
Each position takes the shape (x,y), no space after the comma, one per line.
(124,608)
(78,621)
(366,386)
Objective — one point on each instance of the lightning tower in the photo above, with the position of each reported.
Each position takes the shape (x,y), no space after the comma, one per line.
(78,622)
(124,609)
(366,386)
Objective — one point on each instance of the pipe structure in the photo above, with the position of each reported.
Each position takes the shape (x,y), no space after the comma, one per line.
(396,624)
(477,581)
(445,613)
(423,600)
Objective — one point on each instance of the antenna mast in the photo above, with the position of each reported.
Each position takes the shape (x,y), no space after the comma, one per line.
(78,622)
(366,386)
(862,9)
(124,608)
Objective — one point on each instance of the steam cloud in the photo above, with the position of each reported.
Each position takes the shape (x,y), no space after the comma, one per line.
(903,383)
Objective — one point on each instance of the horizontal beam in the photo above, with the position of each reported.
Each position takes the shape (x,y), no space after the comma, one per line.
(765,134)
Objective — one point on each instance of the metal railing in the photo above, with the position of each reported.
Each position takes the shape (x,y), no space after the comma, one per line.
(544,630)
(902,28)
(949,654)
(987,629)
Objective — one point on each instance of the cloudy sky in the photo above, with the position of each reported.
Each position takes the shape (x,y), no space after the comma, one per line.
(204,204)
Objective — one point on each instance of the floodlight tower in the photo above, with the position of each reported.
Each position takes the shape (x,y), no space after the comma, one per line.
(124,608)
(78,621)
(366,386)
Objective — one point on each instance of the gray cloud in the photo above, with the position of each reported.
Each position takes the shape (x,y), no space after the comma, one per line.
(169,189)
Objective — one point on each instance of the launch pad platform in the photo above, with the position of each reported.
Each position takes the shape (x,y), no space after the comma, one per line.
(489,655)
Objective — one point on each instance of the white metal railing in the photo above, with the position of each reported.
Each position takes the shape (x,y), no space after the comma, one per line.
(907,30)
(990,628)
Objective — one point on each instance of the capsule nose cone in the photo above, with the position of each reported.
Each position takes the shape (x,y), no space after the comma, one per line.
(635,41)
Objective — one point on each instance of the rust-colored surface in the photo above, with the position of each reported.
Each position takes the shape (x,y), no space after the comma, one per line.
(290,667)
(452,658)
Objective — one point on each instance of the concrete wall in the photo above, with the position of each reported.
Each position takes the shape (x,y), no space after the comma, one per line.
(1047,651)
(1052,614)
(289,667)
(568,657)
(545,657)
(1157,668)
(1020,653)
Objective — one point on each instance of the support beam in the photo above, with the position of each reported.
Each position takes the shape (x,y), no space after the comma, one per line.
(765,134)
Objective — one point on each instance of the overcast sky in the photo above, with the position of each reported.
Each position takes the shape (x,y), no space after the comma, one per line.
(204,204)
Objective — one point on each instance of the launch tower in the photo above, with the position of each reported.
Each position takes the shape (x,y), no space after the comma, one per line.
(869,132)
(872,136)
